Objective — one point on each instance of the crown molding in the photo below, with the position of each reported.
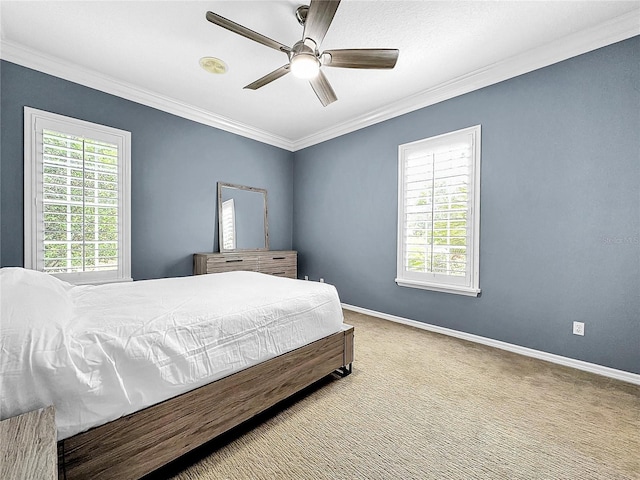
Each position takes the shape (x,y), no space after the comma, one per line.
(615,30)
(21,55)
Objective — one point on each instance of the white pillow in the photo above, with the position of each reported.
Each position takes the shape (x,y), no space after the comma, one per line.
(28,298)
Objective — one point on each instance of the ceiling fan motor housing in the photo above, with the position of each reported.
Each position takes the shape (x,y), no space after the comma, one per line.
(304,47)
(301,14)
(304,59)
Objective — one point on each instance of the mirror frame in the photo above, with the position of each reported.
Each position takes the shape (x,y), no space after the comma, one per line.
(266,225)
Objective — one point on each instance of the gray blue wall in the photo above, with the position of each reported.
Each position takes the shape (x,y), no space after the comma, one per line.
(175,166)
(560,200)
(560,225)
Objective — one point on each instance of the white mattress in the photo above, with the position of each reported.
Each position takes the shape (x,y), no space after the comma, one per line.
(100,352)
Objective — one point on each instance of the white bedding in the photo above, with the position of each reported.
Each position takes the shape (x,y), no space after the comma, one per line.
(100,352)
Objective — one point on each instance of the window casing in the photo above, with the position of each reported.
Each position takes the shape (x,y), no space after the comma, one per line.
(439,213)
(77,206)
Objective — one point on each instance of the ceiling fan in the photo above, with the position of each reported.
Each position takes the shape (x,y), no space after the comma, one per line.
(304,57)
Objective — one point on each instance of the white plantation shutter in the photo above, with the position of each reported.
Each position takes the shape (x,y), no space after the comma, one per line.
(76,199)
(438,213)
(80,204)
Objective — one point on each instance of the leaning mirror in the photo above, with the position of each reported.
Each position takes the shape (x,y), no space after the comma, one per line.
(242,218)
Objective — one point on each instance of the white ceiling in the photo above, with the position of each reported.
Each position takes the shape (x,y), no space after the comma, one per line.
(148,51)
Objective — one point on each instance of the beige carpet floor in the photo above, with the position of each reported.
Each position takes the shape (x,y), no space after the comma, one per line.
(425,406)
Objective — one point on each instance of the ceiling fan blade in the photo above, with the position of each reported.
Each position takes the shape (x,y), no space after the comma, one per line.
(323,89)
(319,19)
(269,77)
(246,32)
(362,58)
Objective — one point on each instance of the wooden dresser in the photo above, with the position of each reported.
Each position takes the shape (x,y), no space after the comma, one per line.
(282,263)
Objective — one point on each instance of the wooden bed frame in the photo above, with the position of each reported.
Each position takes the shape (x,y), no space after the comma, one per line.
(135,445)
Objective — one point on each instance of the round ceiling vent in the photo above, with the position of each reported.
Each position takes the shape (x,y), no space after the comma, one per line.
(213,65)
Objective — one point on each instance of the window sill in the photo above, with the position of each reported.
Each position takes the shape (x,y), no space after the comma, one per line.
(105,282)
(438,287)
(91,281)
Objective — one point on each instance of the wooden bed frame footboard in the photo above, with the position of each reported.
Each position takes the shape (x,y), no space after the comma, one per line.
(132,446)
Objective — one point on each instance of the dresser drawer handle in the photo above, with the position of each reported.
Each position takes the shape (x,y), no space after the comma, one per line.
(234,261)
(279,258)
(279,273)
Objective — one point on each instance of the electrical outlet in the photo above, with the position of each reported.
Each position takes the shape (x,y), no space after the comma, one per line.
(578,328)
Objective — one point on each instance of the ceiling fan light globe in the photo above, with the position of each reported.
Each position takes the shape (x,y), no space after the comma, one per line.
(305,66)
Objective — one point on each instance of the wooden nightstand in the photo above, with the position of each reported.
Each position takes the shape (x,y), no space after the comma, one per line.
(29,448)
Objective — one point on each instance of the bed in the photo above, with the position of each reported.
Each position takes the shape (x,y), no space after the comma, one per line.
(140,373)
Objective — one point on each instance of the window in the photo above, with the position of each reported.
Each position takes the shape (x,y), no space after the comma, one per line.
(439,213)
(77,198)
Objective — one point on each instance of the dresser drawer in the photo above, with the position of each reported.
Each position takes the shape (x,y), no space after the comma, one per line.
(231,263)
(274,262)
(280,271)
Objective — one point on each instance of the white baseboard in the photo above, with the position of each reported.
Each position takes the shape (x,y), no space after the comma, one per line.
(528,352)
